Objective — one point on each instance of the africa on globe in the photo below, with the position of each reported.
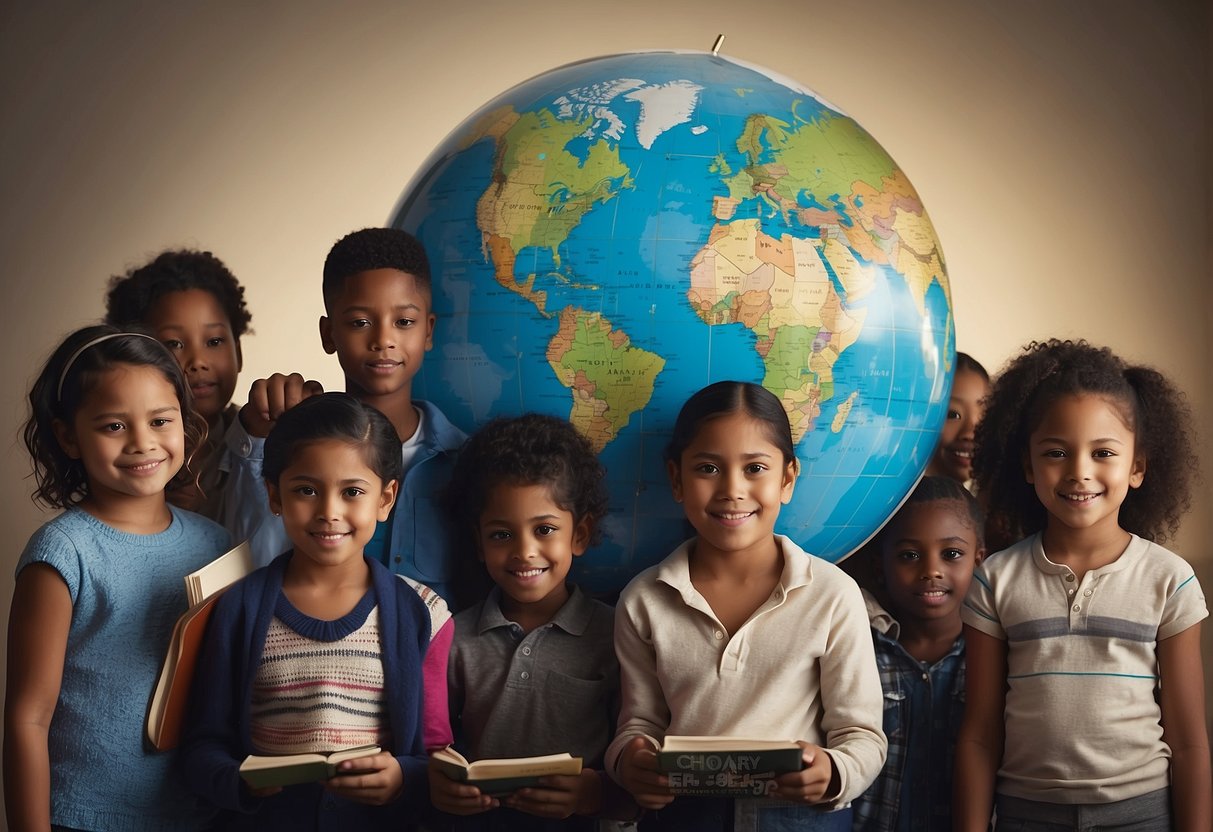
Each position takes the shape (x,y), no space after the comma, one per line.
(610,236)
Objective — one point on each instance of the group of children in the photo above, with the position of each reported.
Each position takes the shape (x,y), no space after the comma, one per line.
(1059,679)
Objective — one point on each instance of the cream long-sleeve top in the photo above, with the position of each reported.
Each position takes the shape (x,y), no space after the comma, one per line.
(801,668)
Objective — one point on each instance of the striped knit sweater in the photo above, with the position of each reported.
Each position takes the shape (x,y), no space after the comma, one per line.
(319,684)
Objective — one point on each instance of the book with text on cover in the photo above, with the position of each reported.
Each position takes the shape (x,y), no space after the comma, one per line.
(261,772)
(498,777)
(166,709)
(726,766)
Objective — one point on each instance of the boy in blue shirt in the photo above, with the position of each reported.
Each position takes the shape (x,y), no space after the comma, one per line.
(380,324)
(927,554)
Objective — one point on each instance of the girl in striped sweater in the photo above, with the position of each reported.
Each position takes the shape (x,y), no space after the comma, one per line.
(323,649)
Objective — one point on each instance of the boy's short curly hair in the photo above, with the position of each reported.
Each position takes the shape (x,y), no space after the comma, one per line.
(375,248)
(132,295)
(531,449)
(1148,403)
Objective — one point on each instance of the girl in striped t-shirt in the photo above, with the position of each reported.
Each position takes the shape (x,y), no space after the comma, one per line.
(1085,695)
(323,649)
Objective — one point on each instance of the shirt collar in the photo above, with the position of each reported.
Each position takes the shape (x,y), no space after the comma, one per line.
(1132,552)
(881,620)
(574,617)
(675,570)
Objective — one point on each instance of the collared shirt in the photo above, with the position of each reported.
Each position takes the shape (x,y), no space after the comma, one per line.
(923,709)
(552,690)
(1089,648)
(801,668)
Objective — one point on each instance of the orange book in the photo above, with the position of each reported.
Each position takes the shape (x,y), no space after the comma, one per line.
(166,710)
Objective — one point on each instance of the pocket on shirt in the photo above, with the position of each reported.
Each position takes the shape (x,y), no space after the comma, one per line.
(893,721)
(584,691)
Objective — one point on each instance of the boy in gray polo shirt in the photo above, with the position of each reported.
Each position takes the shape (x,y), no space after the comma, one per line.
(532,667)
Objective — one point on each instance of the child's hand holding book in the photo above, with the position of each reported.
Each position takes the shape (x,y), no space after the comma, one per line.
(455,797)
(639,774)
(375,780)
(560,795)
(813,782)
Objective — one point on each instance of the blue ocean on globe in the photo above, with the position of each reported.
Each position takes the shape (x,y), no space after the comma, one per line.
(610,236)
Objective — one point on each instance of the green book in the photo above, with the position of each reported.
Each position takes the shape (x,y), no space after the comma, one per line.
(726,766)
(498,777)
(289,769)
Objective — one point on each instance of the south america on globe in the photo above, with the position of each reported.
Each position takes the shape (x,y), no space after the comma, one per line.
(610,236)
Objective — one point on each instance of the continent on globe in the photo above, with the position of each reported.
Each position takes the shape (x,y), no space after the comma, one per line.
(609,378)
(539,192)
(612,235)
(780,290)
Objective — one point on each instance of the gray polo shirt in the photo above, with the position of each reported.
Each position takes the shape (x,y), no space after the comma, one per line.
(555,689)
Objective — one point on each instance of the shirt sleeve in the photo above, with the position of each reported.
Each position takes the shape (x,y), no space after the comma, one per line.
(643,710)
(1184,607)
(436,718)
(246,507)
(979,610)
(55,549)
(852,699)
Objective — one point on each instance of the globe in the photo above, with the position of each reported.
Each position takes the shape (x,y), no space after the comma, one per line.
(612,235)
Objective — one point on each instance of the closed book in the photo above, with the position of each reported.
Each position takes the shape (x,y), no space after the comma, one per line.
(498,777)
(727,766)
(166,707)
(262,772)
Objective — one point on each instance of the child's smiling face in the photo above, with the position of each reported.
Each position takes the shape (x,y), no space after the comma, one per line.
(732,480)
(330,501)
(928,554)
(129,433)
(954,455)
(380,326)
(528,542)
(1082,461)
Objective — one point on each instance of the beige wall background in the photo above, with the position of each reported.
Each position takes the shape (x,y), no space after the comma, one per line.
(1062,149)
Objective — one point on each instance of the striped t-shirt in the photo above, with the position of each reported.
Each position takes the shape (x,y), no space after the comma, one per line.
(1082,721)
(319,684)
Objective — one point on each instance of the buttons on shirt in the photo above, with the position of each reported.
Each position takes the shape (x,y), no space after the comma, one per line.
(719,635)
(525,675)
(1076,608)
(1087,592)
(1070,578)
(526,651)
(1071,591)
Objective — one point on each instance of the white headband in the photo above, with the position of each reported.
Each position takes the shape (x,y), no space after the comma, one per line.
(89,345)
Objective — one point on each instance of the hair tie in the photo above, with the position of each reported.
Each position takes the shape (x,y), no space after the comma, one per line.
(89,345)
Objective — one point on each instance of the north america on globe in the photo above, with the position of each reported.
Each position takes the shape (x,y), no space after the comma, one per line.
(610,236)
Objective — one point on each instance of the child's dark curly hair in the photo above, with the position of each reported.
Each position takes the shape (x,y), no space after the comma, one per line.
(1149,405)
(132,295)
(531,449)
(375,248)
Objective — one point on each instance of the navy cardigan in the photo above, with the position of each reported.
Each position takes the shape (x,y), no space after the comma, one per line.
(217,734)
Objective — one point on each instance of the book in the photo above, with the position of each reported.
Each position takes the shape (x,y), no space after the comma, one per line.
(166,708)
(261,772)
(726,766)
(219,574)
(496,777)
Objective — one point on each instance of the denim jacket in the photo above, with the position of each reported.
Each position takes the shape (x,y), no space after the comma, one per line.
(923,709)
